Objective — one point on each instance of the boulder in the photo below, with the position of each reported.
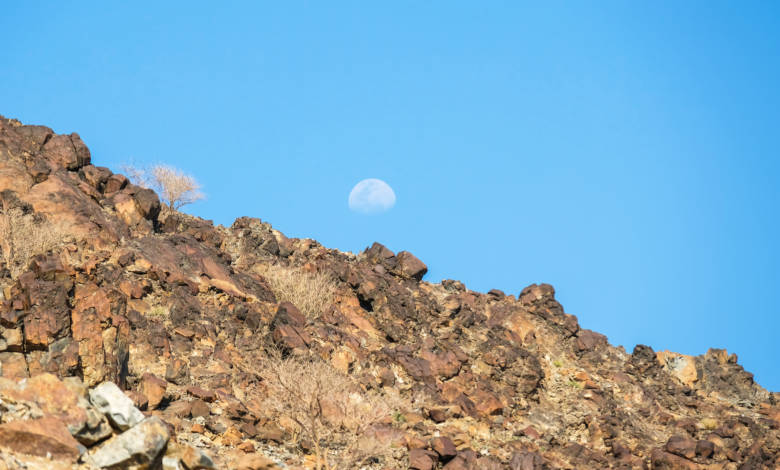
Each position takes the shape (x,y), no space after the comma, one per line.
(67,151)
(138,448)
(407,265)
(117,406)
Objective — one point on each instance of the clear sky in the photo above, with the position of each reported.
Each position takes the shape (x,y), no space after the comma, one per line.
(625,152)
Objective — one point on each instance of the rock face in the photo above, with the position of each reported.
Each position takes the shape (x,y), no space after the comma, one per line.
(134,339)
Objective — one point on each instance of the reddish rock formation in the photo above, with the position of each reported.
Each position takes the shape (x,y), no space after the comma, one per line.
(179,314)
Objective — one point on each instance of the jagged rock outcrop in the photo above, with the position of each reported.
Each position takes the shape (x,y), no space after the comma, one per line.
(178,314)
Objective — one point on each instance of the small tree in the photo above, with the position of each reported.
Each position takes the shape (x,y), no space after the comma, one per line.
(175,187)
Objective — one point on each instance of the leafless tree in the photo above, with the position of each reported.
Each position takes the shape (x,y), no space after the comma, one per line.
(175,187)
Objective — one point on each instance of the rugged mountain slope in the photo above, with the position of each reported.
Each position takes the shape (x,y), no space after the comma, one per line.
(102,284)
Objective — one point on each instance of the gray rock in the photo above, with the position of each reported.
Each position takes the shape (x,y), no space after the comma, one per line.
(118,407)
(94,429)
(140,447)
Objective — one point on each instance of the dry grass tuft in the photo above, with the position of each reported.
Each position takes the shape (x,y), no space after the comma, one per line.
(23,236)
(328,410)
(312,293)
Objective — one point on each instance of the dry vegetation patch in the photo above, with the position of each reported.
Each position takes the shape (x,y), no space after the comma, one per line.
(311,292)
(24,235)
(328,410)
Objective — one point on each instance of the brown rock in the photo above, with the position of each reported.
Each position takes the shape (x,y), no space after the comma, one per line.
(458,463)
(203,394)
(665,461)
(115,183)
(531,432)
(199,408)
(195,459)
(13,365)
(420,459)
(379,253)
(232,437)
(54,398)
(444,447)
(705,449)
(177,372)
(409,266)
(288,314)
(289,337)
(153,388)
(526,461)
(40,437)
(588,340)
(96,176)
(487,403)
(682,446)
(247,447)
(67,151)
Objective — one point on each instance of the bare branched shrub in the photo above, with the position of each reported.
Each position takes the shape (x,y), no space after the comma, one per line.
(312,293)
(328,408)
(174,186)
(23,236)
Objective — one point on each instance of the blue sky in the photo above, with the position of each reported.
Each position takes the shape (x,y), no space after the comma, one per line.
(626,153)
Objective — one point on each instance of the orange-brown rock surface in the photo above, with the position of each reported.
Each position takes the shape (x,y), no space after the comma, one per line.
(179,314)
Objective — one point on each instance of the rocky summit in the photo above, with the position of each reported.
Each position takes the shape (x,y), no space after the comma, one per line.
(134,336)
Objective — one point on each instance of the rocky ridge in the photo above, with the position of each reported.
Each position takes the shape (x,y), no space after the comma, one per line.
(135,341)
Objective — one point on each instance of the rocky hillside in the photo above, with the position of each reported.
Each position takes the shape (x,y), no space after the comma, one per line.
(241,348)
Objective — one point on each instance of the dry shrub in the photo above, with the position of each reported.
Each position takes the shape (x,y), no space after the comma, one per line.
(24,235)
(328,409)
(174,186)
(312,293)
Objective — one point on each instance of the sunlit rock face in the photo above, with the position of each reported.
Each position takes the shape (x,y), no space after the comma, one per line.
(132,336)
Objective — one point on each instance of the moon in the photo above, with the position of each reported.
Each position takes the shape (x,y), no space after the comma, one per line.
(371,196)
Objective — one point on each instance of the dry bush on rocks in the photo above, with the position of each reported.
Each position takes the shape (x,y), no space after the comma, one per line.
(328,410)
(174,186)
(24,235)
(312,293)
